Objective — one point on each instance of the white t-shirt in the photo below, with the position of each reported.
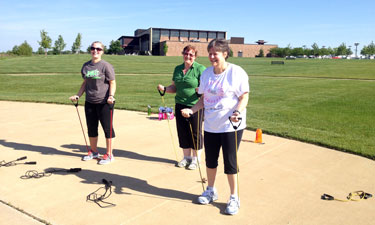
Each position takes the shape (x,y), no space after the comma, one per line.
(221,94)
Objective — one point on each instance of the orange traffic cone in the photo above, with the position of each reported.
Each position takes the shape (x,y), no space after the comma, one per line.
(258,136)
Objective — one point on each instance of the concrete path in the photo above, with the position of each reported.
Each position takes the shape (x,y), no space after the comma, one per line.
(281,181)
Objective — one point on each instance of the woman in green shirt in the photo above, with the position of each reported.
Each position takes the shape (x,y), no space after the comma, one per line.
(185,82)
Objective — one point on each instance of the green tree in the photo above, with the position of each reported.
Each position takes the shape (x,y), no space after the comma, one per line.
(24,49)
(261,53)
(297,51)
(342,49)
(315,49)
(115,47)
(165,48)
(15,50)
(45,42)
(77,44)
(40,51)
(59,45)
(368,50)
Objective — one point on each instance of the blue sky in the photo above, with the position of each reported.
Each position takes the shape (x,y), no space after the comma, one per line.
(327,23)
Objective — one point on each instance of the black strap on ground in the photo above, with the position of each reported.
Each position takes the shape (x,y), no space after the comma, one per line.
(352,196)
(35,174)
(98,198)
(15,162)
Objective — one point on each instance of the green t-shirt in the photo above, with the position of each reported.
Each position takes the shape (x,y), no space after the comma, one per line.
(186,84)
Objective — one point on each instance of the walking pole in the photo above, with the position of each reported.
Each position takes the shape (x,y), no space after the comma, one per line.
(235,135)
(79,117)
(169,126)
(196,149)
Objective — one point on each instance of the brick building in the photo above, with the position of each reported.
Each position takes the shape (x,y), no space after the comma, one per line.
(153,40)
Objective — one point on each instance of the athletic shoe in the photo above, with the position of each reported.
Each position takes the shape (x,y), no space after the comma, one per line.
(233,205)
(208,196)
(90,155)
(183,163)
(106,159)
(193,165)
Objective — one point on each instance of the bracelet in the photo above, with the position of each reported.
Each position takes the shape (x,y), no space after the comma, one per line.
(236,111)
(111,95)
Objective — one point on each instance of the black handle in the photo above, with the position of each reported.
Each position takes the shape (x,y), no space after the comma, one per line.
(235,127)
(162,93)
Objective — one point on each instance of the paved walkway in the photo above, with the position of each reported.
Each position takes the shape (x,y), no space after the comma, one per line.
(281,181)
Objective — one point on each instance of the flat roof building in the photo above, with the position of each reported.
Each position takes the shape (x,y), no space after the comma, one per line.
(151,41)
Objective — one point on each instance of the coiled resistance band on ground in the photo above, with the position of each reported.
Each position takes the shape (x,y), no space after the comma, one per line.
(35,174)
(98,198)
(352,196)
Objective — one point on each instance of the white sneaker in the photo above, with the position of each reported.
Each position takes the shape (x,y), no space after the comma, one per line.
(208,196)
(233,205)
(184,163)
(106,159)
(90,155)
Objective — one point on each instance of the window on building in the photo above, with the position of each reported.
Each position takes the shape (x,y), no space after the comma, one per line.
(184,34)
(202,34)
(212,35)
(155,36)
(193,34)
(174,33)
(165,33)
(220,35)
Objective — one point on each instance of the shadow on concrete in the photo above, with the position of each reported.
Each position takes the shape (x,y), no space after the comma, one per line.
(121,153)
(121,182)
(37,148)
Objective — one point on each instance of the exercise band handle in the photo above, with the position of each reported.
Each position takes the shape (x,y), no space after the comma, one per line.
(31,163)
(111,106)
(162,93)
(239,123)
(22,158)
(75,103)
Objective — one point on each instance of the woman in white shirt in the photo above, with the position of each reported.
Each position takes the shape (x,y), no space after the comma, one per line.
(225,94)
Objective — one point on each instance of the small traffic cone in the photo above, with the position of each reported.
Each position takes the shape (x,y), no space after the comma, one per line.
(258,136)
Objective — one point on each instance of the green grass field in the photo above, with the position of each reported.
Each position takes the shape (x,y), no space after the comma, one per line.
(325,102)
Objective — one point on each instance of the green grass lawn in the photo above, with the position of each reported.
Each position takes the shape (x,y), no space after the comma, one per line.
(325,102)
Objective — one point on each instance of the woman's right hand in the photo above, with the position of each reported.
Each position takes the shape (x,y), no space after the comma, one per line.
(186,112)
(74,98)
(160,87)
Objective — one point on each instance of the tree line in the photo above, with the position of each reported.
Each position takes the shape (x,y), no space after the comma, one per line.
(46,44)
(315,51)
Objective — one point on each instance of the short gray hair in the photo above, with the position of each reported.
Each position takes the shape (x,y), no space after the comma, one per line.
(220,45)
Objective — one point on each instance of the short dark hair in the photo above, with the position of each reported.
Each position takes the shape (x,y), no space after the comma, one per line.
(220,45)
(190,47)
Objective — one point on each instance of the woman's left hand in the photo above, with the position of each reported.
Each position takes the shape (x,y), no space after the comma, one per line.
(111,99)
(235,117)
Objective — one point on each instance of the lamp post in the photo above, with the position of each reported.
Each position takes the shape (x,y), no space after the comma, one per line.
(356,45)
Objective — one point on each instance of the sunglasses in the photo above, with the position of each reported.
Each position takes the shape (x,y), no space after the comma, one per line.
(97,49)
(189,54)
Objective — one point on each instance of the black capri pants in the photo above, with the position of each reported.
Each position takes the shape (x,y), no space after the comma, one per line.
(183,128)
(212,144)
(94,114)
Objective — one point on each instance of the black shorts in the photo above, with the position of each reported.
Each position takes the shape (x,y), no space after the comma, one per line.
(94,114)
(183,128)
(212,144)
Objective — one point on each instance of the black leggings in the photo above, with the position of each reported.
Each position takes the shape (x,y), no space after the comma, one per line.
(183,128)
(94,114)
(212,144)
